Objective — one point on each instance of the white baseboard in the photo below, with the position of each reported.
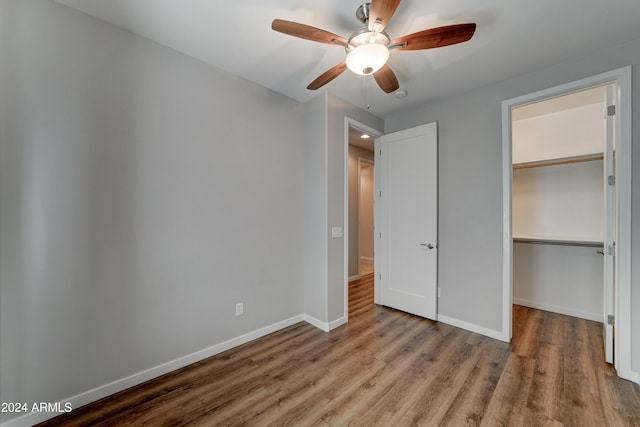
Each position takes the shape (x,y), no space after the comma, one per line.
(325,326)
(315,322)
(367,258)
(135,379)
(560,310)
(491,333)
(338,322)
(630,376)
(352,278)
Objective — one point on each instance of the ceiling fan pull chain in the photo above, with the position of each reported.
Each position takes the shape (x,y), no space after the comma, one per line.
(366,91)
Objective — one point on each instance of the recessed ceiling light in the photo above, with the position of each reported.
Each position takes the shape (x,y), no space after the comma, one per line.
(400,94)
(365,136)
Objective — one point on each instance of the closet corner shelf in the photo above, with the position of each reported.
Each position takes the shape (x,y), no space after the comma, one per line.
(559,242)
(559,161)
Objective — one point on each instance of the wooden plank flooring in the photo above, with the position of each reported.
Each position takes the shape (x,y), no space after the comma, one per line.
(388,368)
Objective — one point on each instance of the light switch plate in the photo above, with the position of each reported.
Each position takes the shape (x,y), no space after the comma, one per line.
(336,232)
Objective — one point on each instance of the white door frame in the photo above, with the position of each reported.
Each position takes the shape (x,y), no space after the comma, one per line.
(349,122)
(622,78)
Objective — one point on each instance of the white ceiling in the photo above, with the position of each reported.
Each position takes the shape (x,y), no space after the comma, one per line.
(513,37)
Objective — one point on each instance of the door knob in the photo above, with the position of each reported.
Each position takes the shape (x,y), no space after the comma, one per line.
(427,245)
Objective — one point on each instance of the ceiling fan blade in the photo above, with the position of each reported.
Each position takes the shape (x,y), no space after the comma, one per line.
(437,37)
(381,10)
(386,79)
(327,76)
(306,32)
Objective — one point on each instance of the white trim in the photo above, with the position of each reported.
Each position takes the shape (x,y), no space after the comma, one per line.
(491,333)
(596,317)
(622,78)
(366,258)
(151,373)
(358,191)
(633,376)
(622,346)
(507,228)
(352,278)
(327,231)
(338,322)
(324,326)
(348,122)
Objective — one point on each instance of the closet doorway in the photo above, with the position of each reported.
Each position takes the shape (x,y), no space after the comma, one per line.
(567,205)
(559,205)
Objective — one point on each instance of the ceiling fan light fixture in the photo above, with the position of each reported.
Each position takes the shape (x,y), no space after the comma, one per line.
(367,58)
(367,50)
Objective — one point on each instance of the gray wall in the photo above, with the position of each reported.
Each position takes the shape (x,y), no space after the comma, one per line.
(557,278)
(470,210)
(143,194)
(315,208)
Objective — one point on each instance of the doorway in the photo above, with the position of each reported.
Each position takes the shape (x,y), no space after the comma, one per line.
(620,80)
(360,202)
(558,196)
(359,198)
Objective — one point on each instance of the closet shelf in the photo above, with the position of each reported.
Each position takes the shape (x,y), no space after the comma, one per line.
(559,242)
(559,161)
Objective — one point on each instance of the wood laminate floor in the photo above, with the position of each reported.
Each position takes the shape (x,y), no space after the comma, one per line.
(388,368)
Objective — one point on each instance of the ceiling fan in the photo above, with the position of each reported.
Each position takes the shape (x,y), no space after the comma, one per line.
(368,47)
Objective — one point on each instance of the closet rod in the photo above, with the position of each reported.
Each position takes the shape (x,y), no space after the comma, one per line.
(559,161)
(560,243)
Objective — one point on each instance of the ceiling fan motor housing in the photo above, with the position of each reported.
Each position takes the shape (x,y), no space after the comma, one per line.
(363,13)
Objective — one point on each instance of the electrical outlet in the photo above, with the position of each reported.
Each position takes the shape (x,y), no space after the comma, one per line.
(239,309)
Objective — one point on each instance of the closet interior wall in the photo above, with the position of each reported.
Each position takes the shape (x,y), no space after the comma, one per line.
(558,204)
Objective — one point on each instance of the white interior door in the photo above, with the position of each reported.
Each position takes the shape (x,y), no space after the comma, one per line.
(408,206)
(610,227)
